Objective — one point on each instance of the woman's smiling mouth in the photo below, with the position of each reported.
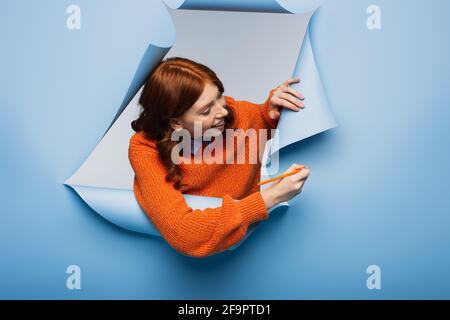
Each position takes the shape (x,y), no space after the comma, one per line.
(220,124)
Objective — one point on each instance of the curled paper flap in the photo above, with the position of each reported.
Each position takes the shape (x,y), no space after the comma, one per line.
(105,179)
(121,208)
(317,115)
(273,6)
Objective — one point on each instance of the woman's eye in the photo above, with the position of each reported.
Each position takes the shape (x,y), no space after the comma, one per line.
(220,96)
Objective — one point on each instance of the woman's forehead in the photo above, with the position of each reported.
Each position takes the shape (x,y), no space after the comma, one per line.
(207,97)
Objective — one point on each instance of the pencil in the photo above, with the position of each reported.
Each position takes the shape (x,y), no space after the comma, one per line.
(282,176)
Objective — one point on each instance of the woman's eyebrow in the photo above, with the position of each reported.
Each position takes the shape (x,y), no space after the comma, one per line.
(210,104)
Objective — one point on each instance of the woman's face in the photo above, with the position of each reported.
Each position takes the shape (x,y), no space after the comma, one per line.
(207,112)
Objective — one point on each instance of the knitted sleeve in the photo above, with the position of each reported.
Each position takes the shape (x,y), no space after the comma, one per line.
(197,233)
(257,114)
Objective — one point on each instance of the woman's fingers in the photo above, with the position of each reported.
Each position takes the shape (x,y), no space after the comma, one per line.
(286,97)
(302,175)
(292,99)
(291,96)
(291,81)
(295,166)
(295,93)
(278,102)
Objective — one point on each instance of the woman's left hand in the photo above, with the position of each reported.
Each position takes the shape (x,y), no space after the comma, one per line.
(285,97)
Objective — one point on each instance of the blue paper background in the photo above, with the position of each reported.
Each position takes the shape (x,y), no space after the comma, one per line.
(378,192)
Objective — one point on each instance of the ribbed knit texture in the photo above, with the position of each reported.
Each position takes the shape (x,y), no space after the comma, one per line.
(200,233)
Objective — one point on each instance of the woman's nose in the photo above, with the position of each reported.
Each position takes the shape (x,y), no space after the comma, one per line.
(222,113)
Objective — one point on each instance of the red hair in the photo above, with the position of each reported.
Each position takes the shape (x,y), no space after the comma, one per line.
(173,87)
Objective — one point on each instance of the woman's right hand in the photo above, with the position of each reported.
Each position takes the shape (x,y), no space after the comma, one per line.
(287,188)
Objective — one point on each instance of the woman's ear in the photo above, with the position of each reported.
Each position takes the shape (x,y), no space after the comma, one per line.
(175,124)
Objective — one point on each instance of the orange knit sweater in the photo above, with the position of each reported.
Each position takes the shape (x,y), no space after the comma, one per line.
(200,233)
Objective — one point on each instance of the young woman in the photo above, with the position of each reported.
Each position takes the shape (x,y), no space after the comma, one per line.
(178,95)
